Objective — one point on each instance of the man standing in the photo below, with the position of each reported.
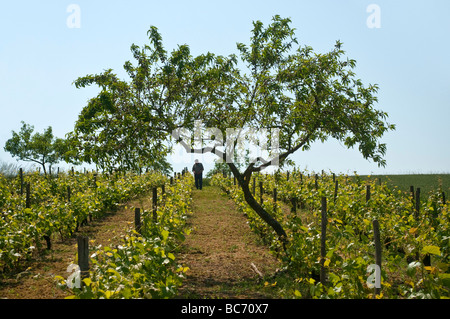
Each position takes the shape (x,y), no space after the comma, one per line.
(198,170)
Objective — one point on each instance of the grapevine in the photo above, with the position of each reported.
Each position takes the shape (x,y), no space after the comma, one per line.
(58,206)
(409,240)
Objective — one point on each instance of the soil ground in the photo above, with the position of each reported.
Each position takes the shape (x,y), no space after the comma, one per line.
(219,251)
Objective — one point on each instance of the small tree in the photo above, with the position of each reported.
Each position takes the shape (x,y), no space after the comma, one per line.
(41,148)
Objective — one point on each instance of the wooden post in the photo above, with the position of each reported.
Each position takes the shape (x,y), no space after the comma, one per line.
(83,256)
(287,176)
(260,192)
(335,190)
(315,182)
(294,205)
(274,198)
(323,250)
(376,235)
(367,193)
(137,219)
(171,180)
(427,260)
(21,180)
(28,195)
(48,242)
(443,198)
(417,203)
(155,204)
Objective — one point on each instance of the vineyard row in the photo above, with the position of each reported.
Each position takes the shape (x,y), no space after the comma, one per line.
(414,234)
(36,208)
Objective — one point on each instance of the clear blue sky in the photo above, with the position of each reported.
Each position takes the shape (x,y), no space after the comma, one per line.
(408,57)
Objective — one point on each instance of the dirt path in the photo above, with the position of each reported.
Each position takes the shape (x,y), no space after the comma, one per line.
(220,252)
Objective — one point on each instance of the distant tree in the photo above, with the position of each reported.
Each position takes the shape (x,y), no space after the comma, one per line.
(219,168)
(277,85)
(41,148)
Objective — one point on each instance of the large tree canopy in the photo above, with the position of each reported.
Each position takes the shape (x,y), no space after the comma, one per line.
(271,85)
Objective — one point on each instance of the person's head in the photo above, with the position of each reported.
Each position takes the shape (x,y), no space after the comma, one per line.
(196,160)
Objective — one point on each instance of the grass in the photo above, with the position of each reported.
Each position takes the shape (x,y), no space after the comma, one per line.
(220,250)
(426,182)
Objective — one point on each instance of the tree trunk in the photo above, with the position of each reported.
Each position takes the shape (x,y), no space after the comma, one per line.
(253,203)
(43,165)
(272,222)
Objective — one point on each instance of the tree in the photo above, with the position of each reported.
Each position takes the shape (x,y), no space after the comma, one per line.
(116,130)
(41,148)
(221,167)
(275,85)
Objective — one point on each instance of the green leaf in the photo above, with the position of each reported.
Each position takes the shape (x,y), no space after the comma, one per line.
(108,294)
(433,250)
(445,279)
(165,234)
(87,281)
